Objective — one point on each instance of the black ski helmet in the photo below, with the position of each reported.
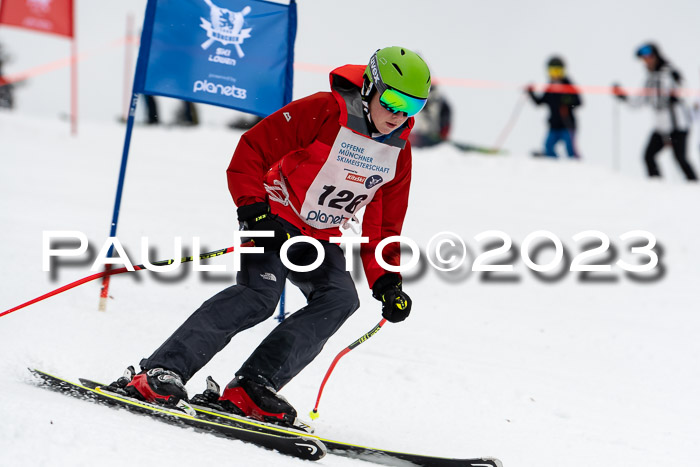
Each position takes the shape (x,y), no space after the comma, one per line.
(555,61)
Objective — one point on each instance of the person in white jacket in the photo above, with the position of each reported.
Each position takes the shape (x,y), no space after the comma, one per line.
(671,114)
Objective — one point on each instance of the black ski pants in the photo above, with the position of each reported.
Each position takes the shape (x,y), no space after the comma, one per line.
(331,299)
(678,144)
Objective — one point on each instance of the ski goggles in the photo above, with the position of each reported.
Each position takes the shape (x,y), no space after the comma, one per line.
(395,101)
(556,71)
(391,99)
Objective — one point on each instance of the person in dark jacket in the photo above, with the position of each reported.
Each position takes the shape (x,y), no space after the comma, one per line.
(432,125)
(6,88)
(671,115)
(561,97)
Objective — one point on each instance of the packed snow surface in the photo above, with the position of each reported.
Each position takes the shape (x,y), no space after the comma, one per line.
(553,369)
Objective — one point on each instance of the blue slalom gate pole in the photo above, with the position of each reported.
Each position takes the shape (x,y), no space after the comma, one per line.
(280,317)
(136,89)
(104,291)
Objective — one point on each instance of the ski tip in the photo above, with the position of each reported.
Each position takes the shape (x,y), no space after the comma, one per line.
(37,374)
(314,414)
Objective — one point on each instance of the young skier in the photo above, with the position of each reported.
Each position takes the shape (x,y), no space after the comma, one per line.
(672,117)
(561,99)
(304,170)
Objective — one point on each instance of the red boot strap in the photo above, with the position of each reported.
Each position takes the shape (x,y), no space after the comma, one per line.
(242,400)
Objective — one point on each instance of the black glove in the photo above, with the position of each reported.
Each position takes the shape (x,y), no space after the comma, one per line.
(618,92)
(257,216)
(676,75)
(396,304)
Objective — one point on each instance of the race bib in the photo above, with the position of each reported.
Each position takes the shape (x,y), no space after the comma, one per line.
(356,168)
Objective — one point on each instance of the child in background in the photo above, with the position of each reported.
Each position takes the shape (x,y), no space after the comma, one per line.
(561,98)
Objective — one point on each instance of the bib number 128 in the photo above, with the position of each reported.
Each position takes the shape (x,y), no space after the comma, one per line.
(344,199)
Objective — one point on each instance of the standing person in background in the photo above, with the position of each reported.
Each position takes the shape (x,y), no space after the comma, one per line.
(187,114)
(152,117)
(672,116)
(6,89)
(561,98)
(696,112)
(432,125)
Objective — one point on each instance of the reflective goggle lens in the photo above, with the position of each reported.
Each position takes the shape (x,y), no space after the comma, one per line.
(395,101)
(556,71)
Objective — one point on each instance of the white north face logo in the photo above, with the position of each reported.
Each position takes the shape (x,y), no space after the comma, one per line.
(268,276)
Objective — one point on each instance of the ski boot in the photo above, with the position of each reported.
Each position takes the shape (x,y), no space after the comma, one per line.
(257,401)
(246,398)
(156,386)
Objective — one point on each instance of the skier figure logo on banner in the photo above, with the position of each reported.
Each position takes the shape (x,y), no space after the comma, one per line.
(226,26)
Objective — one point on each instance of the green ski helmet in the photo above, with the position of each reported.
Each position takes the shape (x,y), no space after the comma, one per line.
(401,78)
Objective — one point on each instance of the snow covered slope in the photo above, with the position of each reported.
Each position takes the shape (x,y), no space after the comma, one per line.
(560,370)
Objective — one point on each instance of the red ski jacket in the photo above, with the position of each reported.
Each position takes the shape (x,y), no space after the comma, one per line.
(316,164)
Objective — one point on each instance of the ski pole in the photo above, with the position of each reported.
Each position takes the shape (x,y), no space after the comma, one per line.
(112,272)
(616,135)
(314,413)
(511,123)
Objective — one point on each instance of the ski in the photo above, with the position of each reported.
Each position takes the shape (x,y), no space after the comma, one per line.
(290,443)
(370,454)
(340,448)
(466,147)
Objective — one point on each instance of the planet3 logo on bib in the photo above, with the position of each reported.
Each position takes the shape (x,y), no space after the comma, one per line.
(325,218)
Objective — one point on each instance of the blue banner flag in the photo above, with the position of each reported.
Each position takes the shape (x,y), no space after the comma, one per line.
(232,53)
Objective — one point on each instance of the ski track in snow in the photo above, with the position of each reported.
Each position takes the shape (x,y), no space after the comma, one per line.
(535,373)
